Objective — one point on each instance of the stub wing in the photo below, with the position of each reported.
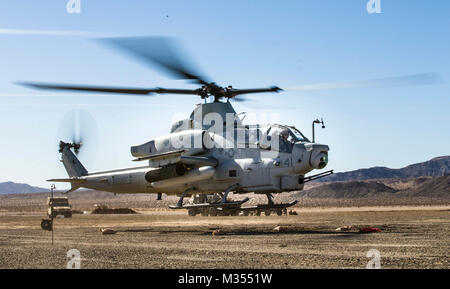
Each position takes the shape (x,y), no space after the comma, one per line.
(172,157)
(162,159)
(164,155)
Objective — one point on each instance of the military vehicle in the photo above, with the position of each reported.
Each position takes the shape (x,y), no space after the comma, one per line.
(211,153)
(59,206)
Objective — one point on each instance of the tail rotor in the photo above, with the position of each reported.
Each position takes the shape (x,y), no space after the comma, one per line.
(78,131)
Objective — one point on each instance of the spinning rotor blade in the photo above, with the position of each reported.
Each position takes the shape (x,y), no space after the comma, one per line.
(405,80)
(139,91)
(234,92)
(78,128)
(160,51)
(237,94)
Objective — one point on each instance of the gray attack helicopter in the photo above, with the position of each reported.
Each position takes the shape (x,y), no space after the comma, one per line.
(212,153)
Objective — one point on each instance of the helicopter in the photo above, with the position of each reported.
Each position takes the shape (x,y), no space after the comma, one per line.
(210,154)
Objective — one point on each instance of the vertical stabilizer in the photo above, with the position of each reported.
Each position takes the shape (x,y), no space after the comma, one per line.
(71,163)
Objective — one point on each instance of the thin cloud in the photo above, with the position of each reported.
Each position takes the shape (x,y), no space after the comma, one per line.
(8,31)
(404,80)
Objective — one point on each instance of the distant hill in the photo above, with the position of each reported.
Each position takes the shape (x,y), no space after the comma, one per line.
(352,189)
(433,187)
(16,188)
(439,166)
(429,187)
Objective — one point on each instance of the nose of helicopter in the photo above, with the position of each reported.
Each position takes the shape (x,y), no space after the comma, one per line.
(319,156)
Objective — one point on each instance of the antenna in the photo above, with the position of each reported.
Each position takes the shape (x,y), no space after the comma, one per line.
(313,123)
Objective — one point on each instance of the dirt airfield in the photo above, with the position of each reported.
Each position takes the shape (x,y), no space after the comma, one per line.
(411,237)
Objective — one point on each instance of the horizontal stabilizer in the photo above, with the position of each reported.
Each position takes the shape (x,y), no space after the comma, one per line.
(74,180)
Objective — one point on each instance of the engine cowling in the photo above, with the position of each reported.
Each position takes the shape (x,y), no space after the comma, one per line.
(189,140)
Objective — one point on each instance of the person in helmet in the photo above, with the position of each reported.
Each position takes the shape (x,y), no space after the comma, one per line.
(285,144)
(284,133)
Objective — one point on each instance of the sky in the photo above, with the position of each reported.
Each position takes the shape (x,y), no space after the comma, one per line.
(241,43)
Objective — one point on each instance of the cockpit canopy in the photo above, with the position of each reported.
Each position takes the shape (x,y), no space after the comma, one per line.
(287,136)
(289,133)
(267,136)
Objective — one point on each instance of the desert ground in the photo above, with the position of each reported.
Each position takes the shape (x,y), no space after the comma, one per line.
(410,237)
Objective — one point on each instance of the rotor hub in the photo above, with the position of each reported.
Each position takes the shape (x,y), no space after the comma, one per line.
(76,146)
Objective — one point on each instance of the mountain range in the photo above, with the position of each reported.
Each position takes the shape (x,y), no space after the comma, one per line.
(16,188)
(428,187)
(436,167)
(430,179)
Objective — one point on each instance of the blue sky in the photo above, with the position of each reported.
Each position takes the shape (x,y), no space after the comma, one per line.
(243,43)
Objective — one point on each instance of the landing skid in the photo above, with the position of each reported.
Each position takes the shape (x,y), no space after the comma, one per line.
(233,208)
(210,205)
(279,209)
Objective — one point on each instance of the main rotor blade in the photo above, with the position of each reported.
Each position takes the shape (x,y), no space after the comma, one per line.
(233,92)
(139,91)
(157,50)
(236,94)
(405,80)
